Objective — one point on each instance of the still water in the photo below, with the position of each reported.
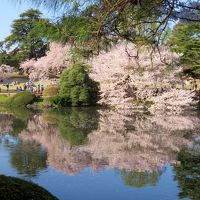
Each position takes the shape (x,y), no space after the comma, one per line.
(100,154)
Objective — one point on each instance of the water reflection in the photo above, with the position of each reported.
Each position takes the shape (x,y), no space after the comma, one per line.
(14,120)
(137,146)
(106,139)
(74,124)
(28,158)
(140,179)
(188,173)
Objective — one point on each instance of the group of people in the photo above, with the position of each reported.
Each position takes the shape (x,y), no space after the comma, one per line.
(29,86)
(35,89)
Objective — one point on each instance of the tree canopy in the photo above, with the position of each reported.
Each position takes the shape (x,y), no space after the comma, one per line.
(77,88)
(185,39)
(100,23)
(26,41)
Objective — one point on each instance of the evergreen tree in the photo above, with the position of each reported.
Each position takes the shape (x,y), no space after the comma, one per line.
(91,25)
(26,41)
(77,88)
(185,39)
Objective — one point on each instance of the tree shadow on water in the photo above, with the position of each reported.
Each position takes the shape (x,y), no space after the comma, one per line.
(188,173)
(137,179)
(75,124)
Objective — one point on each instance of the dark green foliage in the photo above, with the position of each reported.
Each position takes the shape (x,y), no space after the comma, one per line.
(12,188)
(57,101)
(188,173)
(185,39)
(77,88)
(21,99)
(18,126)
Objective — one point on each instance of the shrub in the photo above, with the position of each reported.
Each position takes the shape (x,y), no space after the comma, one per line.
(77,88)
(21,99)
(57,100)
(3,98)
(50,91)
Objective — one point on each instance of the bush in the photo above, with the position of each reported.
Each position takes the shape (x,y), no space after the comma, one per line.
(21,99)
(77,88)
(3,98)
(57,100)
(50,91)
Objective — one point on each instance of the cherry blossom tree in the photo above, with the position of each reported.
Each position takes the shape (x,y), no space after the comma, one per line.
(129,77)
(57,59)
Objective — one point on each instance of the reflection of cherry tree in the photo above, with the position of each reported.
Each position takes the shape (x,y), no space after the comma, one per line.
(13,120)
(61,154)
(136,143)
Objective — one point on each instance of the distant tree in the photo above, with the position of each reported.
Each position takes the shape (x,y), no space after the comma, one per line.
(9,58)
(185,39)
(26,41)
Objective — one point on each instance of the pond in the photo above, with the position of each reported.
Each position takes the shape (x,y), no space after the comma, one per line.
(102,154)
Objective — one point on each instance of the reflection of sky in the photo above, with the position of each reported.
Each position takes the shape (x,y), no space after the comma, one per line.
(8,138)
(90,185)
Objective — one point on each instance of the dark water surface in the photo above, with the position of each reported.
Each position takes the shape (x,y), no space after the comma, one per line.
(102,155)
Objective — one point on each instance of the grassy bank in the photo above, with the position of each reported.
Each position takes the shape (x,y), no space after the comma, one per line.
(21,99)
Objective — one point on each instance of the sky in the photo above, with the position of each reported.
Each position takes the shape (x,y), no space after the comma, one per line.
(10,11)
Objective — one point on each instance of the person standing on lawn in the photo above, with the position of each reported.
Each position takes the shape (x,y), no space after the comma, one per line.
(7,86)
